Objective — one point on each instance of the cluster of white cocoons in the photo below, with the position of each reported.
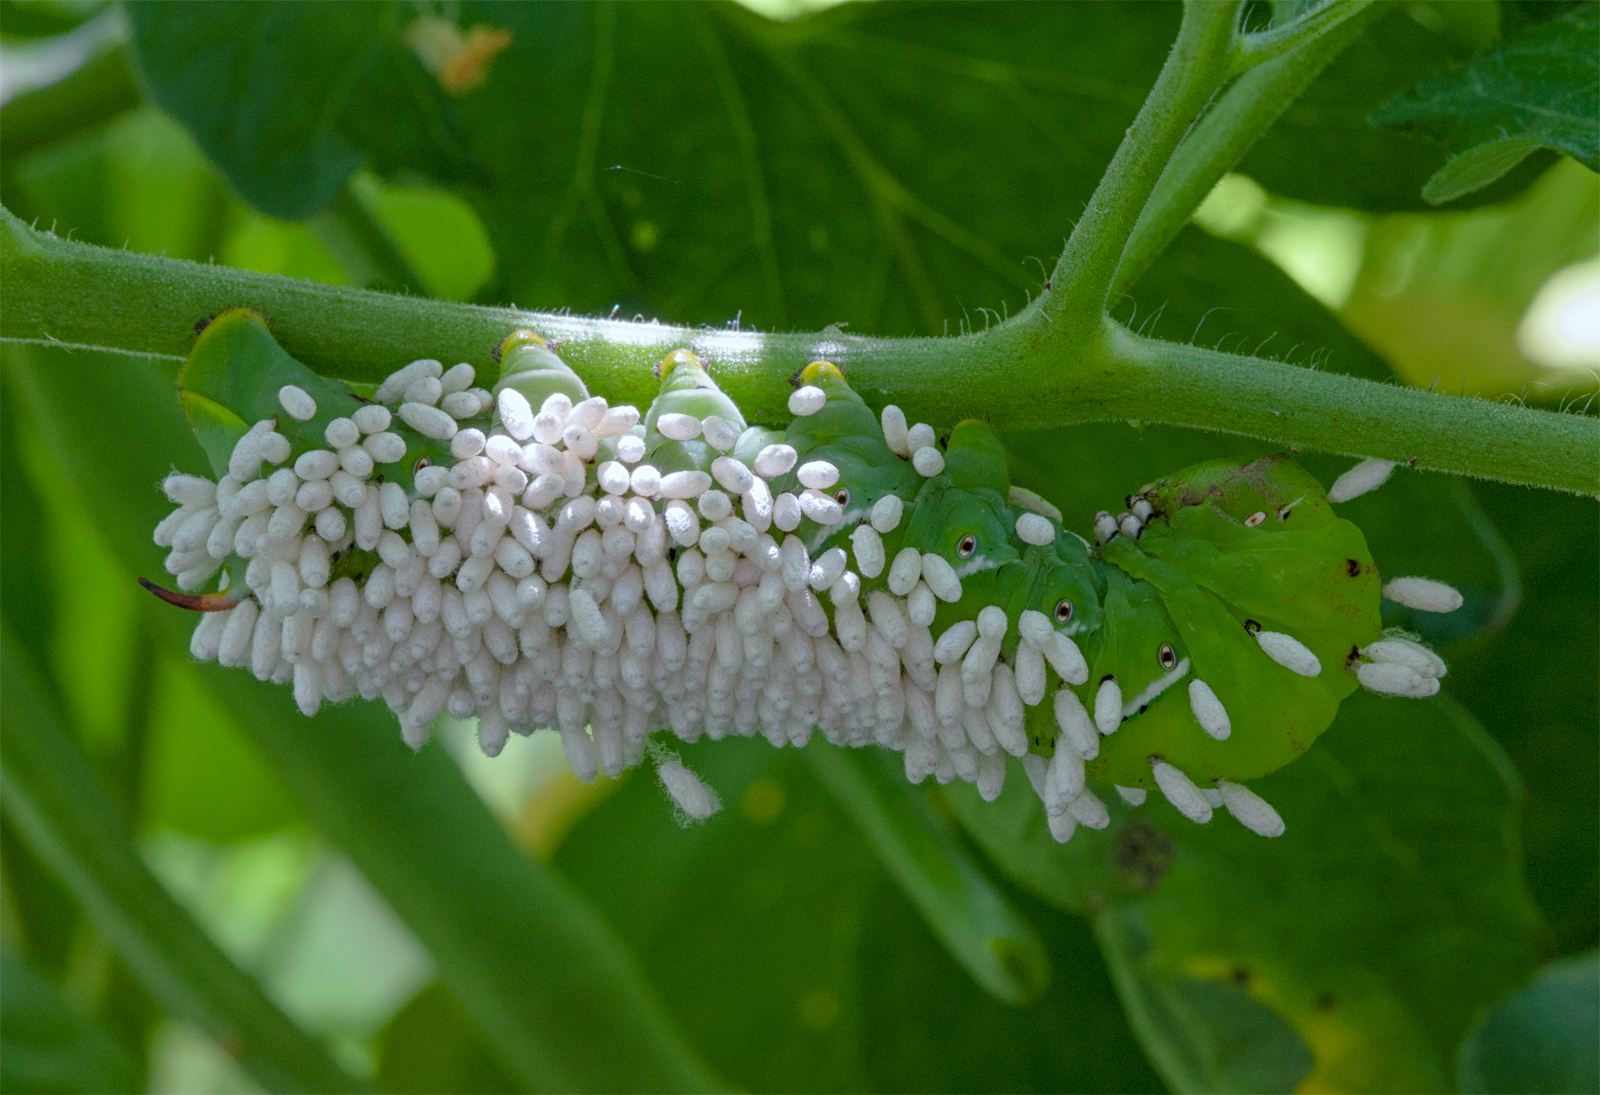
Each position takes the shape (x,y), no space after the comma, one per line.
(541,583)
(532,585)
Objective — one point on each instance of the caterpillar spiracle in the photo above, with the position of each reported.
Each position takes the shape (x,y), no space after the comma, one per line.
(537,558)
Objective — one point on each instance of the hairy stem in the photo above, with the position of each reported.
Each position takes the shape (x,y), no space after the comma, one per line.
(1238,119)
(1311,409)
(1196,67)
(78,295)
(1263,46)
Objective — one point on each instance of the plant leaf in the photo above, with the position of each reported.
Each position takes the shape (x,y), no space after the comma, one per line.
(261,87)
(1391,911)
(1541,1037)
(1325,150)
(697,162)
(961,905)
(1539,90)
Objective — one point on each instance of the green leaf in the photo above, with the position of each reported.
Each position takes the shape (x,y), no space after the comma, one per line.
(1477,167)
(432,1046)
(702,162)
(797,964)
(1541,1038)
(1205,1035)
(261,87)
(47,1046)
(1539,90)
(961,905)
(1325,150)
(1546,720)
(749,924)
(1387,916)
(927,1027)
(54,800)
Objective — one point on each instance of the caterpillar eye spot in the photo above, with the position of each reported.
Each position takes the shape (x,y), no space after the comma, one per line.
(1284,511)
(1252,628)
(1064,611)
(1255,519)
(966,546)
(842,496)
(1353,568)
(1167,656)
(422,462)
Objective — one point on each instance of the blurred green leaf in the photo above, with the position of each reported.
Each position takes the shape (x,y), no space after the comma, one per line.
(1541,89)
(1389,914)
(202,776)
(1442,295)
(431,1046)
(439,235)
(1325,150)
(47,1046)
(1537,689)
(261,86)
(1542,1038)
(1207,1035)
(970,915)
(53,798)
(798,964)
(697,161)
(927,1027)
(749,924)
(553,1001)
(100,88)
(137,181)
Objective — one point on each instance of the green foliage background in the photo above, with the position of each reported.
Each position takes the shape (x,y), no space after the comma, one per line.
(900,169)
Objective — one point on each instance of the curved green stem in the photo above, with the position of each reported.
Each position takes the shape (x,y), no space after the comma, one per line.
(1198,64)
(56,803)
(76,294)
(1250,50)
(1227,131)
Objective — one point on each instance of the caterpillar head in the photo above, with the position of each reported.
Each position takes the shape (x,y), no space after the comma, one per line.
(687,390)
(528,365)
(970,529)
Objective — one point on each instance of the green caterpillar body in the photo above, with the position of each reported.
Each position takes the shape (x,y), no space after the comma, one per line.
(537,558)
(1228,551)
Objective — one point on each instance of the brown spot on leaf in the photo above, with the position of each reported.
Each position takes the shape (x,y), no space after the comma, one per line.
(1143,854)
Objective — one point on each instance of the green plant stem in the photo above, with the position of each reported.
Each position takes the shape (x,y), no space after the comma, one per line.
(973,919)
(52,797)
(78,295)
(1197,65)
(1258,48)
(1311,409)
(1238,119)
